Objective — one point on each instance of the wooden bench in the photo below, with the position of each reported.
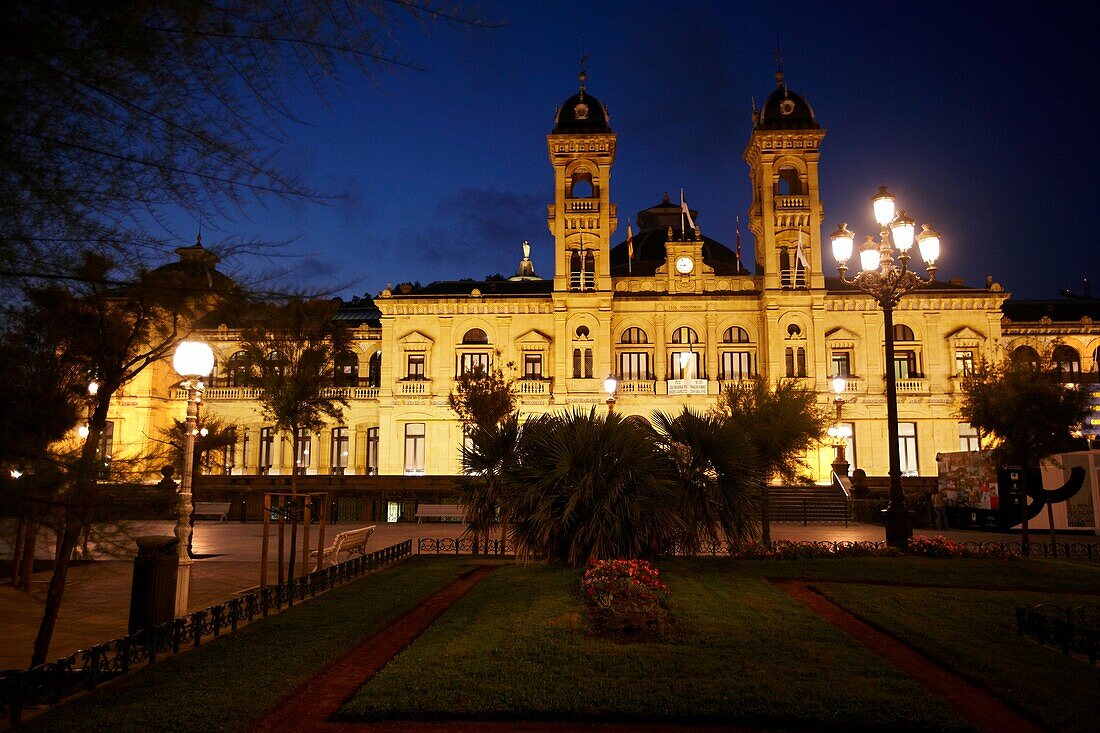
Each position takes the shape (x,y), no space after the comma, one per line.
(353,541)
(440,511)
(219,509)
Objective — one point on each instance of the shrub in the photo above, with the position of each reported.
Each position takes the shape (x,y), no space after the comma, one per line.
(786,550)
(940,546)
(626,599)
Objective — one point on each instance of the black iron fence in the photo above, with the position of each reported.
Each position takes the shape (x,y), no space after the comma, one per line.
(785,548)
(1075,629)
(49,683)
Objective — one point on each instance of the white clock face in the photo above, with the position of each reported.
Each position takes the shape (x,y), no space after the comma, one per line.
(684,265)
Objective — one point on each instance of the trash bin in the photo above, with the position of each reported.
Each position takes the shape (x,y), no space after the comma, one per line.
(153,593)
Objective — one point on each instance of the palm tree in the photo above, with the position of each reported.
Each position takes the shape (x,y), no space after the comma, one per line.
(781,423)
(486,460)
(585,487)
(717,474)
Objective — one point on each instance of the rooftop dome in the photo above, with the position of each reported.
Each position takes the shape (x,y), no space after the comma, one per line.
(582,113)
(786,110)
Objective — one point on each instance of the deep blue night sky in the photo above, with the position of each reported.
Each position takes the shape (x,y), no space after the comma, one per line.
(978,117)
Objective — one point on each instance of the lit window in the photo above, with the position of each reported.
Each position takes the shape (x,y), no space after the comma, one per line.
(302,448)
(340,450)
(842,364)
(968,437)
(964,362)
(267,449)
(414,448)
(907,447)
(532,366)
(372,451)
(415,367)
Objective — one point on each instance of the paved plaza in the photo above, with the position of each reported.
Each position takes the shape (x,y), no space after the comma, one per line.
(97,596)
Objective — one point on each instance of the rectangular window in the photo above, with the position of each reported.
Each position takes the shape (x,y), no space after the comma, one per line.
(795,361)
(588,363)
(968,437)
(372,451)
(469,362)
(634,366)
(107,442)
(267,449)
(414,448)
(577,364)
(229,457)
(736,365)
(907,447)
(685,365)
(416,367)
(340,446)
(302,448)
(842,364)
(964,362)
(532,366)
(905,365)
(246,443)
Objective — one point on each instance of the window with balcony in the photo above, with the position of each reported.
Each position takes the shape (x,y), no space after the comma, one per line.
(341,445)
(374,370)
(905,365)
(964,362)
(685,365)
(841,363)
(634,366)
(237,370)
(532,366)
(345,371)
(737,365)
(472,360)
(907,448)
(414,364)
(414,448)
(372,451)
(582,270)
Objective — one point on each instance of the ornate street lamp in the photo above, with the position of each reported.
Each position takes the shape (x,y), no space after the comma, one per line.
(193,361)
(886,280)
(610,385)
(839,432)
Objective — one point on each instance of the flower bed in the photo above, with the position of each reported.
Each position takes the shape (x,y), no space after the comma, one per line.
(940,546)
(626,600)
(786,550)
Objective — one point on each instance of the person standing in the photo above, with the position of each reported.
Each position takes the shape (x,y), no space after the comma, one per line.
(939,510)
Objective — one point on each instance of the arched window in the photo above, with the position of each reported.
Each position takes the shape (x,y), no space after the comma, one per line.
(903,333)
(345,372)
(735,335)
(1096,359)
(237,370)
(1027,356)
(475,336)
(634,335)
(789,183)
(374,370)
(685,335)
(582,187)
(277,362)
(1066,359)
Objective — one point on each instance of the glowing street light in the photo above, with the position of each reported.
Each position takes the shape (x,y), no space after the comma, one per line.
(885,276)
(610,385)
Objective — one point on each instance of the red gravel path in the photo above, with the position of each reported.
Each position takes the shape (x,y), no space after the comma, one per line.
(973,703)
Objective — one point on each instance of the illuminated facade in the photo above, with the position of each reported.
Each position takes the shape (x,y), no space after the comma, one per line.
(673,314)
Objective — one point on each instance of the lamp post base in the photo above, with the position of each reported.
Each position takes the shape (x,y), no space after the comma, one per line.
(899,526)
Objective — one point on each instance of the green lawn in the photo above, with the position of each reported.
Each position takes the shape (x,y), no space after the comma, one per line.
(228,683)
(974,632)
(515,647)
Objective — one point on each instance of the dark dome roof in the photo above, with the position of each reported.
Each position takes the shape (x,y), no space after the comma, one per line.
(786,110)
(580,114)
(649,254)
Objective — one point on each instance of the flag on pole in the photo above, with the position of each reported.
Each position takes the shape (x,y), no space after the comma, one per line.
(629,247)
(737,229)
(801,255)
(685,212)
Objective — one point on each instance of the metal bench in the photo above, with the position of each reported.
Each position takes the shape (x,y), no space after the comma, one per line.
(353,541)
(456,512)
(219,509)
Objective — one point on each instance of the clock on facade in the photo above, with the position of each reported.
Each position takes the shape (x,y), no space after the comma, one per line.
(684,265)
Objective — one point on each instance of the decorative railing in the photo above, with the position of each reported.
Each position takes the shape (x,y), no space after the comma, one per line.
(351,393)
(792,202)
(464,546)
(533,387)
(86,669)
(582,206)
(637,387)
(911,385)
(418,387)
(1075,629)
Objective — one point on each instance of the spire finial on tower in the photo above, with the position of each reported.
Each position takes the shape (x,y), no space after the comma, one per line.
(582,75)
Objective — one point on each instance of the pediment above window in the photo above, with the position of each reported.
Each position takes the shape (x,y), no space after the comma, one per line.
(965,336)
(415,341)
